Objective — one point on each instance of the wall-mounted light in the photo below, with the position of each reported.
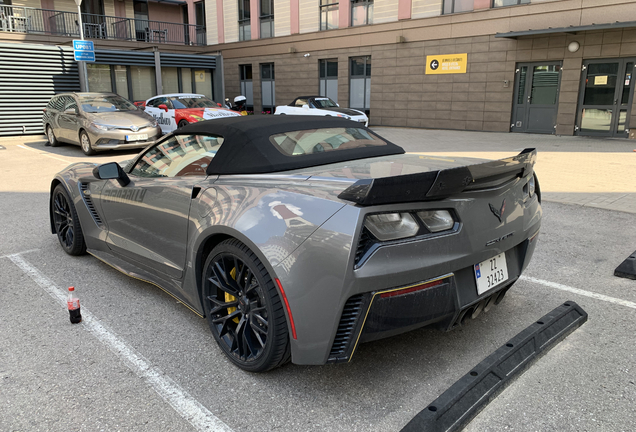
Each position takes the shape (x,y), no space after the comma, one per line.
(574,46)
(307,55)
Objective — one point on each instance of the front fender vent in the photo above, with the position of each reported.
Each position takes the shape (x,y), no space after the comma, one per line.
(344,341)
(88,200)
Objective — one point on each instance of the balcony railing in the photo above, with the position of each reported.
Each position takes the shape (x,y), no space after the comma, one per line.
(19,19)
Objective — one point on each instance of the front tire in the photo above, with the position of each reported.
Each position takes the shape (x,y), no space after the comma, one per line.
(51,136)
(243,308)
(85,143)
(183,123)
(67,224)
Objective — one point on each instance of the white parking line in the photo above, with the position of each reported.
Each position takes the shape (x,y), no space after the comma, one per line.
(580,292)
(184,404)
(44,154)
(20,253)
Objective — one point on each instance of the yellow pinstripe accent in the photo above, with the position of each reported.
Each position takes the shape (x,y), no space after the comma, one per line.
(150,282)
(386,291)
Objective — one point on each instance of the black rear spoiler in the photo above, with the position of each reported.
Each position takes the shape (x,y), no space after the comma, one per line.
(435,185)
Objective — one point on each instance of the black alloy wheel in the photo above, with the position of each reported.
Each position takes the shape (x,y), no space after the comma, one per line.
(66,221)
(243,308)
(51,136)
(183,123)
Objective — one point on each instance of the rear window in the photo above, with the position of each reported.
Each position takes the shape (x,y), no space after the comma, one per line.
(313,141)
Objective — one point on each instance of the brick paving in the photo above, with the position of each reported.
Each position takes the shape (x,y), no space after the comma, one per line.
(590,172)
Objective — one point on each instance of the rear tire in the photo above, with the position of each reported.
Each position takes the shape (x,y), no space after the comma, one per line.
(51,136)
(66,221)
(85,143)
(243,308)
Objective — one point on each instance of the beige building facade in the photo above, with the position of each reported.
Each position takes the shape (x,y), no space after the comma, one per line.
(552,66)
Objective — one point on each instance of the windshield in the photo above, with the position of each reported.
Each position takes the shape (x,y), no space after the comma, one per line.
(191,101)
(324,103)
(99,104)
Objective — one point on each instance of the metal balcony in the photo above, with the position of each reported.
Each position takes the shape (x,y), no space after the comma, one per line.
(17,19)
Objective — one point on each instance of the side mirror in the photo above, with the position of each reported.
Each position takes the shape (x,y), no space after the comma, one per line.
(70,111)
(111,171)
(219,105)
(337,104)
(163,107)
(305,106)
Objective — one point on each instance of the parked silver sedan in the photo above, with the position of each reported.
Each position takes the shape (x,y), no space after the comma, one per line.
(97,122)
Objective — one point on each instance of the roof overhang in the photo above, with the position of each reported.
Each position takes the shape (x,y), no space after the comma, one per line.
(570,29)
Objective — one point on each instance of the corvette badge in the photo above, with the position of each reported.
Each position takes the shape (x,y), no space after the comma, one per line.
(499,213)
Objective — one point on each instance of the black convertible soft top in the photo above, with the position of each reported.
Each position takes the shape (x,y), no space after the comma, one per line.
(247,149)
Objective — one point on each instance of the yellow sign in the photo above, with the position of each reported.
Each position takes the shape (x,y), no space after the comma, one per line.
(446,64)
(199,76)
(600,80)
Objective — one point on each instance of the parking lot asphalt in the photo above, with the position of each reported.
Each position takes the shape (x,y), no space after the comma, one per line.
(143,362)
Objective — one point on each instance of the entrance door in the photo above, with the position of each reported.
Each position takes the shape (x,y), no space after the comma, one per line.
(606,97)
(535,98)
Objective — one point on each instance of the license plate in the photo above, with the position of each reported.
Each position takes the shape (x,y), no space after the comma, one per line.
(491,273)
(138,137)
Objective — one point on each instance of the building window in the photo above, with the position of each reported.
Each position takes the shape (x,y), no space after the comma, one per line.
(500,3)
(453,6)
(244,20)
(199,16)
(141,19)
(267,19)
(245,74)
(362,12)
(329,78)
(328,14)
(268,89)
(360,83)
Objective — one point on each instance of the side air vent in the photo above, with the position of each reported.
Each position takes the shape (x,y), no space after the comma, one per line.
(88,200)
(344,336)
(365,242)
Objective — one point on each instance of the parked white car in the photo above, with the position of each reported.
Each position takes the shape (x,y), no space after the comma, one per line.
(321,106)
(176,110)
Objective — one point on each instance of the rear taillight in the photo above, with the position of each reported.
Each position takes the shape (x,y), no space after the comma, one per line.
(411,289)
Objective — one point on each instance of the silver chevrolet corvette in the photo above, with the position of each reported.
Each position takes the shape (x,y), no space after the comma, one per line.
(300,238)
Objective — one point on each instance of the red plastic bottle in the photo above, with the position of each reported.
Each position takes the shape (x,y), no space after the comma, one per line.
(73,304)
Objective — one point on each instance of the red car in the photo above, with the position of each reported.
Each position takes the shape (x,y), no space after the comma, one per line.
(176,110)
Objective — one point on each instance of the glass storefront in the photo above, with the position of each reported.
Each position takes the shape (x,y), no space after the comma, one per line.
(143,82)
(137,83)
(203,82)
(170,80)
(121,80)
(99,78)
(186,80)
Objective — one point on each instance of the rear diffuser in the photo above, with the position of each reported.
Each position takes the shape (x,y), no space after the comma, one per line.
(627,269)
(468,396)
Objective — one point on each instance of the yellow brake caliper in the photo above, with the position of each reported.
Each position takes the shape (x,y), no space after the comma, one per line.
(231,298)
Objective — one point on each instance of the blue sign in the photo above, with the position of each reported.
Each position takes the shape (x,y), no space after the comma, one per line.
(84,50)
